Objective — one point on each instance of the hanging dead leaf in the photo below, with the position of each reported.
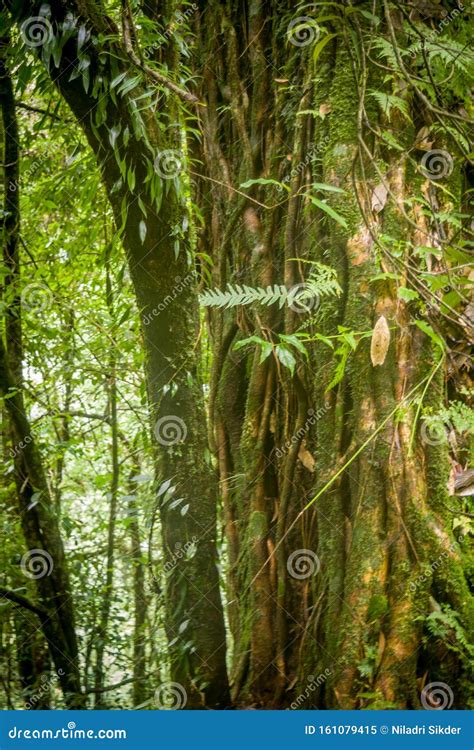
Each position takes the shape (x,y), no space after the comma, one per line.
(379,198)
(380,341)
(306,459)
(324,109)
(422,134)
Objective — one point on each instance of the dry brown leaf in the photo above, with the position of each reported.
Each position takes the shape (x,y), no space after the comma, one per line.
(306,459)
(380,341)
(379,198)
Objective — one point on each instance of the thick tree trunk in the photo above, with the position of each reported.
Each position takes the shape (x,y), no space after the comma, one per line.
(365,539)
(391,503)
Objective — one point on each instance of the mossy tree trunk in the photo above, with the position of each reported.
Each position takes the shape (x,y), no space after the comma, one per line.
(355,618)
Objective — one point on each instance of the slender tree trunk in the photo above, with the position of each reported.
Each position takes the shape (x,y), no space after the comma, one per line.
(140,610)
(34,663)
(102,634)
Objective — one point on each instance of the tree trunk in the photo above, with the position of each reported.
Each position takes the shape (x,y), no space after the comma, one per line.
(106,604)
(331,588)
(150,209)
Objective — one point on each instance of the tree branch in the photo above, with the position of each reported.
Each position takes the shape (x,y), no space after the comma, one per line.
(22,601)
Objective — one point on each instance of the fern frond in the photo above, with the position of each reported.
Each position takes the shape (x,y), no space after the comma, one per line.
(235,295)
(321,281)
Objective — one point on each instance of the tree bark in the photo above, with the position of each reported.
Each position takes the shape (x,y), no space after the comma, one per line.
(274,113)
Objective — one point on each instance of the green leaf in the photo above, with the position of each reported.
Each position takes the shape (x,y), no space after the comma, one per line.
(293,340)
(164,487)
(324,339)
(330,211)
(262,181)
(407,294)
(115,82)
(392,141)
(267,349)
(286,358)
(318,48)
(426,328)
(249,340)
(328,188)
